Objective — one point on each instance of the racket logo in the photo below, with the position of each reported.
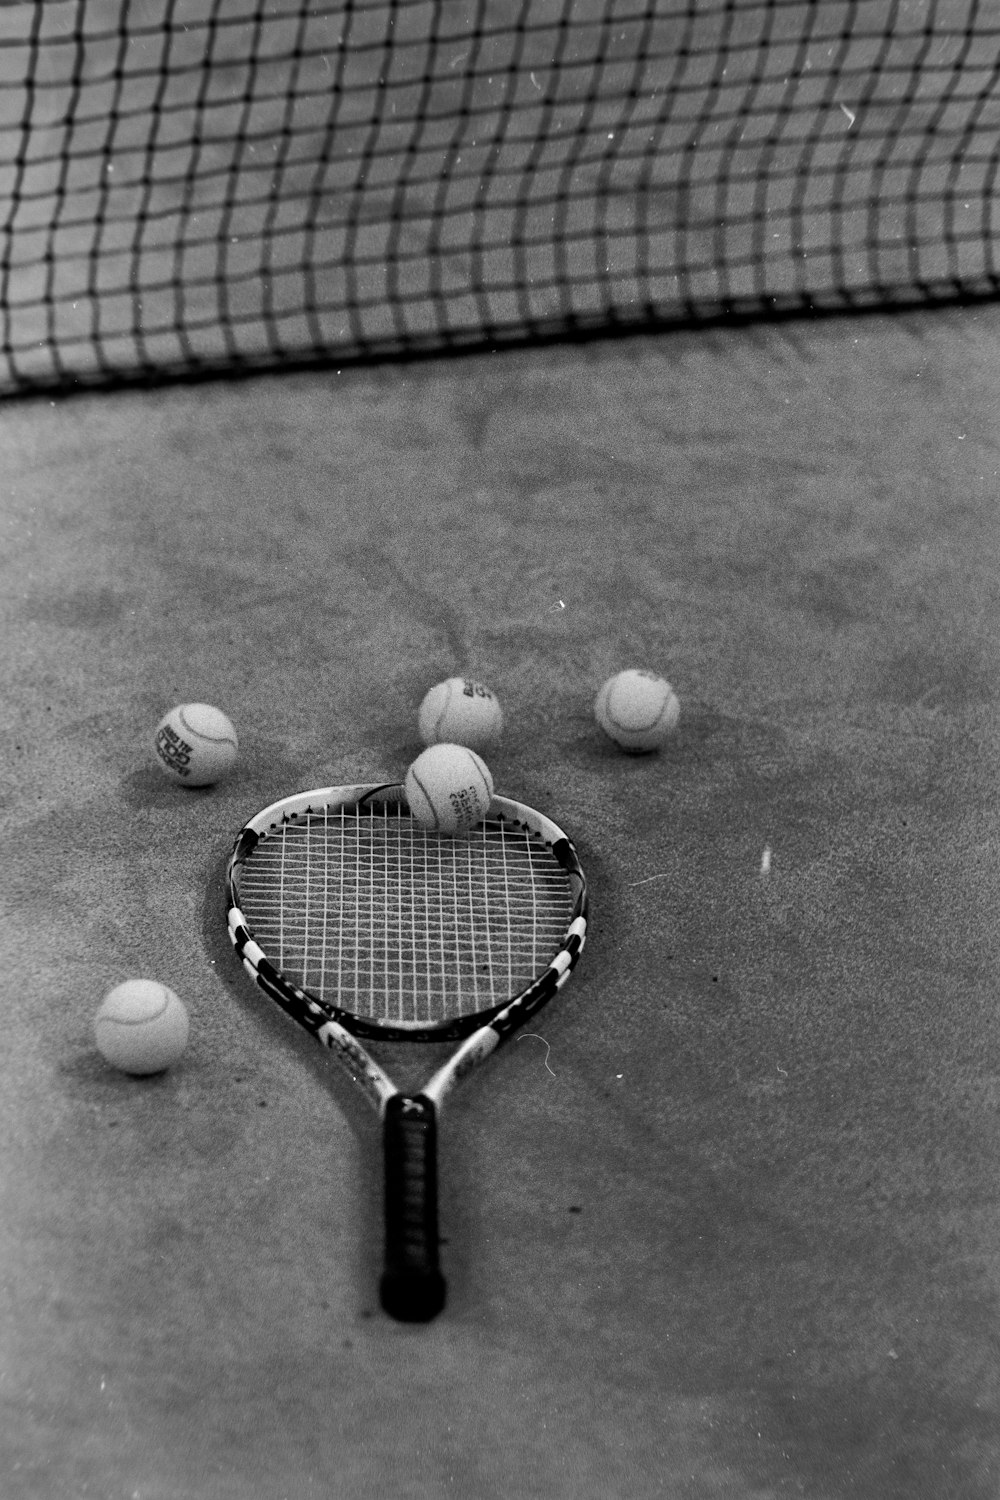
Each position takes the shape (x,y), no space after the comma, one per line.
(416,1107)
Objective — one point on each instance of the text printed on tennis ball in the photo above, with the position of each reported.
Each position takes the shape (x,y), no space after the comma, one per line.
(174,751)
(466,804)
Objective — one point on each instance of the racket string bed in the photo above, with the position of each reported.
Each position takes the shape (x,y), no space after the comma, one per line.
(375,915)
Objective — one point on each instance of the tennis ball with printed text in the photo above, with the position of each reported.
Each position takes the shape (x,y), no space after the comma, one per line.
(195,744)
(638,709)
(460,711)
(449,788)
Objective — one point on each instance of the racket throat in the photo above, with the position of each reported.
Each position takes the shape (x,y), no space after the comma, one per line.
(412,1288)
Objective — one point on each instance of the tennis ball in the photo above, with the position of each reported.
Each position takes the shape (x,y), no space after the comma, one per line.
(637,709)
(449,788)
(195,744)
(141,1027)
(460,712)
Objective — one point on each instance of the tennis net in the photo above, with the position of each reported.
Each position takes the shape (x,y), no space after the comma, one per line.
(193,187)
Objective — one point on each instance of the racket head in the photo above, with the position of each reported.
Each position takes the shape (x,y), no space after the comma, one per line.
(343,908)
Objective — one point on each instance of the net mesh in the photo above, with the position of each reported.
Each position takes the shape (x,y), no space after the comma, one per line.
(198,186)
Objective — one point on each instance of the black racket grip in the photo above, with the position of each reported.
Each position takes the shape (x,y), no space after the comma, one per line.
(412,1288)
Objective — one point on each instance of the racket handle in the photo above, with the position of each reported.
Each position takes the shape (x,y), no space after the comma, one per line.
(412,1289)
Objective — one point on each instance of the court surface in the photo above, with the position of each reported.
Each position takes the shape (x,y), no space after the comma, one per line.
(726,1226)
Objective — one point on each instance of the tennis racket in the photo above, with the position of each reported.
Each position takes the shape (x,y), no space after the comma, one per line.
(363,926)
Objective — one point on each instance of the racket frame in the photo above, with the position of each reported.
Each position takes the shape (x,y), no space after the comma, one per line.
(412,1287)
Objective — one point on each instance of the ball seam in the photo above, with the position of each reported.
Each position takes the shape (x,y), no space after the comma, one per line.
(199,734)
(427,798)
